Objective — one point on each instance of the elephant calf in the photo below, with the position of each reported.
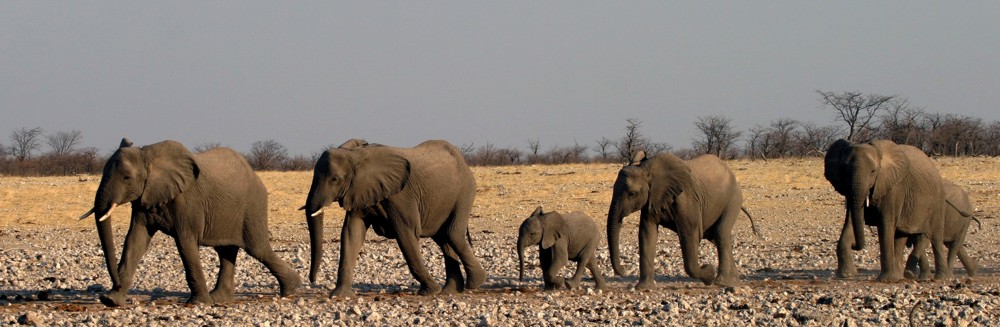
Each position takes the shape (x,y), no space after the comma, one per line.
(957,217)
(560,238)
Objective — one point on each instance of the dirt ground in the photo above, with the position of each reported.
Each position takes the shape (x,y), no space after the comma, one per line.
(797,210)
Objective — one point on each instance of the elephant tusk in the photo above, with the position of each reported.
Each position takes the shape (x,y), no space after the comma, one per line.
(91,211)
(317,213)
(108,214)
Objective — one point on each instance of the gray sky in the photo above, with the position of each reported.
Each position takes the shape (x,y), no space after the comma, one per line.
(399,72)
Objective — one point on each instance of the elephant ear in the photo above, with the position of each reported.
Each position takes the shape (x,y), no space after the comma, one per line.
(637,158)
(669,177)
(892,165)
(553,228)
(377,176)
(834,161)
(171,169)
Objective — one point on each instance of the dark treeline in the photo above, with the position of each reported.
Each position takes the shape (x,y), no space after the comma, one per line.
(859,117)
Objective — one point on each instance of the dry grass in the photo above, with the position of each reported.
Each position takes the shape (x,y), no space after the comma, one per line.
(792,190)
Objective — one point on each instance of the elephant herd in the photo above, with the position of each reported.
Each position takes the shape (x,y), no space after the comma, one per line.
(215,199)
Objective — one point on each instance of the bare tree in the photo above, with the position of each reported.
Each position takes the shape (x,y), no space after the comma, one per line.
(717,135)
(633,141)
(814,139)
(206,146)
(901,123)
(24,141)
(267,155)
(64,142)
(534,146)
(602,148)
(855,109)
(759,142)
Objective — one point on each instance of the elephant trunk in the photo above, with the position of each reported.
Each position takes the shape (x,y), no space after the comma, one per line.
(107,236)
(857,208)
(316,245)
(614,231)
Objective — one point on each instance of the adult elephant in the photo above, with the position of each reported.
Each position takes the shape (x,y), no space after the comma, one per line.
(403,194)
(208,199)
(893,187)
(697,199)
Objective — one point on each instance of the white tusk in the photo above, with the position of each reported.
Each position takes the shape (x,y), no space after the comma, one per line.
(868,202)
(87,214)
(108,215)
(317,213)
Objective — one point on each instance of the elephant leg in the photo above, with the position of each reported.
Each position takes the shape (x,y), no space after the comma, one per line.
(971,267)
(288,279)
(917,264)
(454,282)
(845,258)
(136,244)
(352,235)
(595,270)
(647,253)
(544,262)
(458,233)
(581,268)
(187,245)
(689,253)
(551,271)
(224,286)
(942,269)
(409,244)
(890,271)
(727,276)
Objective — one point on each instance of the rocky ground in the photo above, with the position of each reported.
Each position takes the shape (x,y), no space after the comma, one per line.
(54,272)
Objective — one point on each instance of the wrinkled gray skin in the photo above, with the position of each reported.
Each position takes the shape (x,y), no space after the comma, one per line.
(698,199)
(208,199)
(893,187)
(957,218)
(403,194)
(560,238)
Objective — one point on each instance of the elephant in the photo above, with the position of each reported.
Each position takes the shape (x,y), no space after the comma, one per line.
(211,199)
(560,238)
(891,186)
(698,199)
(403,194)
(957,217)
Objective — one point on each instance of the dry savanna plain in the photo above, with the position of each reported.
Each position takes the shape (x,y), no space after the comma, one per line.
(53,272)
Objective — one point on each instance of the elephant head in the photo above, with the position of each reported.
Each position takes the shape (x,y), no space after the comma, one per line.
(862,173)
(648,184)
(356,178)
(147,177)
(540,228)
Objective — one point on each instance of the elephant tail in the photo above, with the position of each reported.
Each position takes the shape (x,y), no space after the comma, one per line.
(960,211)
(979,225)
(468,236)
(753,225)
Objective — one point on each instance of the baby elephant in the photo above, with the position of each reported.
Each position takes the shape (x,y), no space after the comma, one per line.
(957,218)
(560,238)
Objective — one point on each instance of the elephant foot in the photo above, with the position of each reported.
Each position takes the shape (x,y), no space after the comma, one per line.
(889,277)
(846,273)
(571,284)
(943,276)
(644,285)
(429,289)
(200,299)
(972,272)
(452,287)
(727,282)
(114,299)
(221,296)
(475,279)
(342,291)
(707,275)
(289,287)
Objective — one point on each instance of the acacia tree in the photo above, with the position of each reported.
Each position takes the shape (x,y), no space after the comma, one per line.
(24,141)
(64,142)
(717,135)
(602,148)
(267,155)
(633,141)
(856,110)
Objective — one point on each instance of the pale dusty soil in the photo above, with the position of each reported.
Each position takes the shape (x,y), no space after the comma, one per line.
(787,273)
